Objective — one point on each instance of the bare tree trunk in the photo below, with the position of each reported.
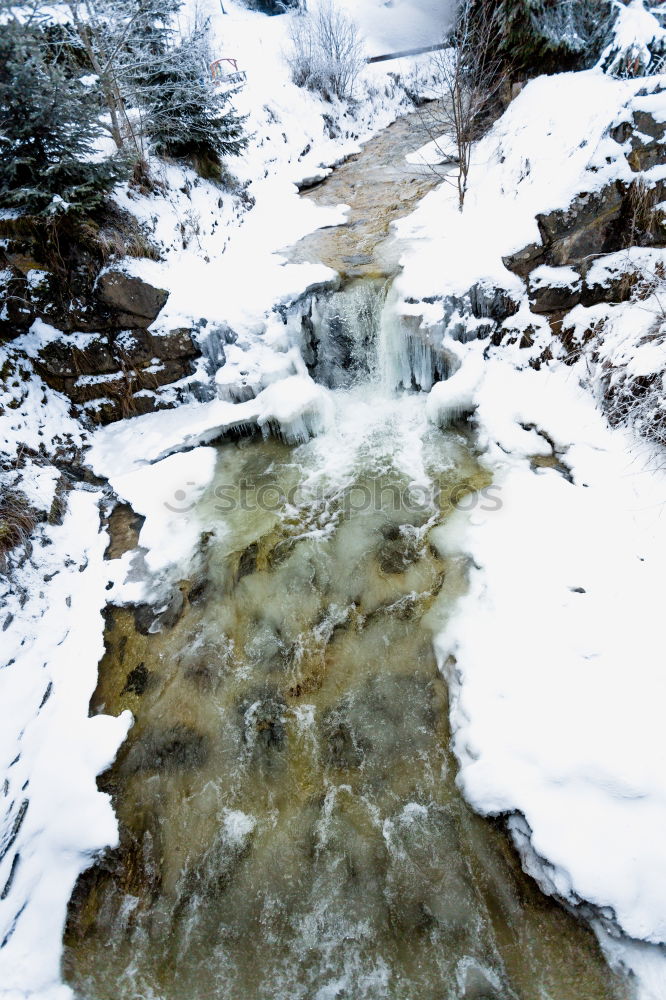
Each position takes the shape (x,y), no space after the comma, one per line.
(102,62)
(469,75)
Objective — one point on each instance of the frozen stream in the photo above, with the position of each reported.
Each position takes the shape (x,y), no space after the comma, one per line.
(290,822)
(291,827)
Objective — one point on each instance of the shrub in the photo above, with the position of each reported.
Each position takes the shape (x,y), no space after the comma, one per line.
(326,52)
(17,522)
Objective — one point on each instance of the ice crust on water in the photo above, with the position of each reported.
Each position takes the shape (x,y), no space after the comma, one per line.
(166,494)
(457,396)
(294,408)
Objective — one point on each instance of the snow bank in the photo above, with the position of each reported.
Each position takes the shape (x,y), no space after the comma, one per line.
(400,24)
(456,396)
(435,153)
(294,408)
(52,819)
(554,655)
(162,493)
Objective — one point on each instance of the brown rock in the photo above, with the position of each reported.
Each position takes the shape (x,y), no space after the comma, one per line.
(174,344)
(72,357)
(130,297)
(554,298)
(588,226)
(522,262)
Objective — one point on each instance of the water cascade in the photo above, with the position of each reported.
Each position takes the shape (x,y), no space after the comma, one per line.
(291,828)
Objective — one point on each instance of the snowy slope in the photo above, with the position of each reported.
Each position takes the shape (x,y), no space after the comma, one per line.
(555,655)
(51,751)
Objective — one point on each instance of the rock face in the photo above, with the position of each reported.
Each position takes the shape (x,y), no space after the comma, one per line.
(106,360)
(493,303)
(589,226)
(592,224)
(117,373)
(646,136)
(565,269)
(134,302)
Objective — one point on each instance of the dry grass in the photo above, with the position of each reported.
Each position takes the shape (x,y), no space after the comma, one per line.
(628,399)
(638,401)
(641,201)
(17,523)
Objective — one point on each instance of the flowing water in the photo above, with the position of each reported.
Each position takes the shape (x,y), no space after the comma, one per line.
(291,828)
(379,186)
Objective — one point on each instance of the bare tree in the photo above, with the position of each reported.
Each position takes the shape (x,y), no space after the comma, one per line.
(326,51)
(102,50)
(469,75)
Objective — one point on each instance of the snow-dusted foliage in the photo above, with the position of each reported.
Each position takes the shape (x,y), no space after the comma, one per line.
(49,126)
(326,52)
(638,45)
(625,342)
(186,117)
(548,36)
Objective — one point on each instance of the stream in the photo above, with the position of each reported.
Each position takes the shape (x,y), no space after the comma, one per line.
(291,827)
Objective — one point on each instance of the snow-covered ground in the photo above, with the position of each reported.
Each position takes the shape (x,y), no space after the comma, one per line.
(555,654)
(54,817)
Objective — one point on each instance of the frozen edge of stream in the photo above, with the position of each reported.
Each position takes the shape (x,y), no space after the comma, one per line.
(554,696)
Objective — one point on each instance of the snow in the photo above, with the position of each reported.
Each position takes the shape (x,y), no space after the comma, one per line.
(548,146)
(558,672)
(457,396)
(644,261)
(402,24)
(50,750)
(163,493)
(384,27)
(295,408)
(435,153)
(554,277)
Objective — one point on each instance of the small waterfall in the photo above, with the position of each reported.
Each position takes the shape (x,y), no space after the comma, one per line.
(410,356)
(357,335)
(344,328)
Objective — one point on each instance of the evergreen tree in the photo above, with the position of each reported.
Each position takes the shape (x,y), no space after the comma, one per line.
(186,116)
(549,36)
(48,129)
(638,42)
(274,6)
(133,48)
